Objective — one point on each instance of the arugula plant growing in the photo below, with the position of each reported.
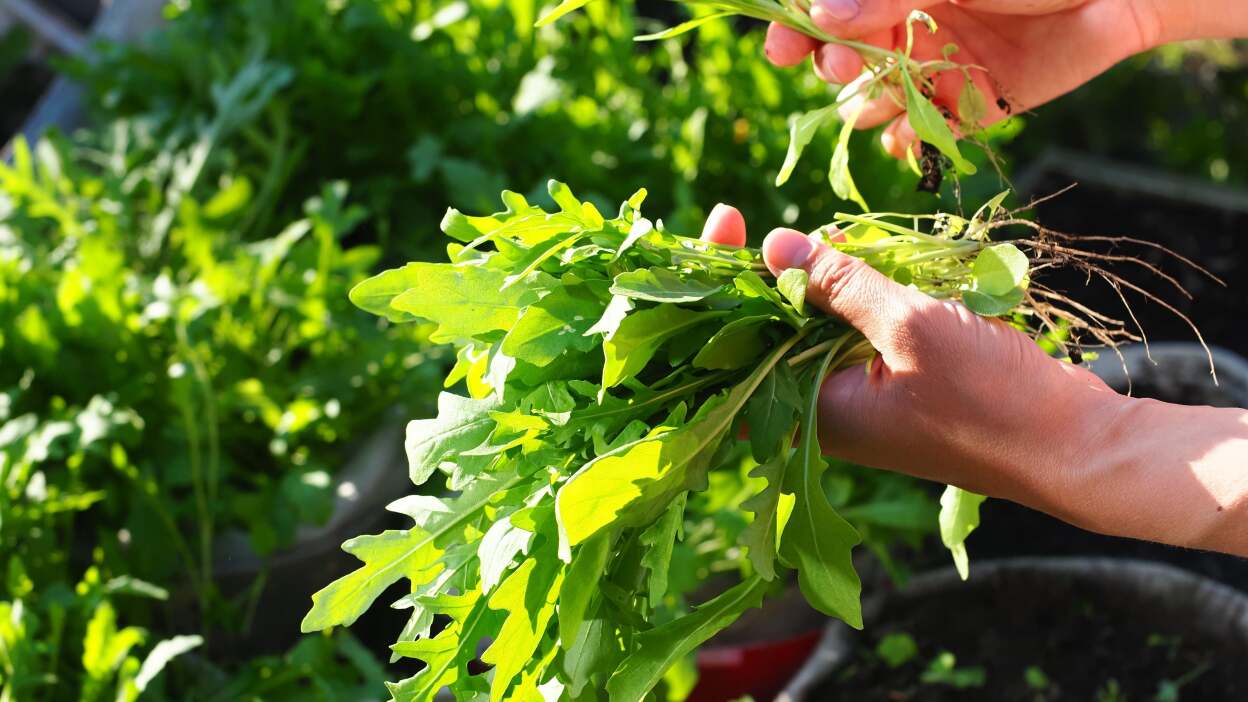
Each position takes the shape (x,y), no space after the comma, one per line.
(212,385)
(611,367)
(888,73)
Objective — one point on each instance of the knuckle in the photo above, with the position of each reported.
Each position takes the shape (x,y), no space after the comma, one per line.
(836,275)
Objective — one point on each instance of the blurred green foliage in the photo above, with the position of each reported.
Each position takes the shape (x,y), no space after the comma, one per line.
(420,105)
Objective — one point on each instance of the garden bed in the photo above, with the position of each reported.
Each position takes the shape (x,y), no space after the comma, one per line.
(1048,629)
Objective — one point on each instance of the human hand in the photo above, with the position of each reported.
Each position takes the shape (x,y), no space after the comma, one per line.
(952,396)
(972,402)
(1030,51)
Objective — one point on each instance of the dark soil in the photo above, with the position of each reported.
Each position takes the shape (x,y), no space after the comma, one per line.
(1085,639)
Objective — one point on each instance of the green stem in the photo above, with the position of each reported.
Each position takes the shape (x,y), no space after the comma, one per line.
(831,345)
(203,481)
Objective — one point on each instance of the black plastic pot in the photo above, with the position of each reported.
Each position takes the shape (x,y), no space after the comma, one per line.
(1002,598)
(375,476)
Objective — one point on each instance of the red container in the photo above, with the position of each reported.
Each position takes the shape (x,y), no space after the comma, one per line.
(760,670)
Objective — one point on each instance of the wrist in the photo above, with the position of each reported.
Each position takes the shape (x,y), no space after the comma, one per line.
(1182,20)
(1085,456)
(1165,473)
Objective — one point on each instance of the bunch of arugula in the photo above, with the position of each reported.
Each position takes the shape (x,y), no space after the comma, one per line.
(611,367)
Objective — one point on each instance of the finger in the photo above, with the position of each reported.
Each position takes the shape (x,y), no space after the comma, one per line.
(851,19)
(898,137)
(857,411)
(787,47)
(871,112)
(724,225)
(837,64)
(846,287)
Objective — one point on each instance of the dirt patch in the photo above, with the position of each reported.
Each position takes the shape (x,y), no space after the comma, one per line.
(1039,642)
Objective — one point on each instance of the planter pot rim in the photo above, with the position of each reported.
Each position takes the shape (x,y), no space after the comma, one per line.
(1187,357)
(375,475)
(1221,603)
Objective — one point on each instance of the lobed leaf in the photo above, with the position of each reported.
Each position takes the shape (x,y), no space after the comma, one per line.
(816,540)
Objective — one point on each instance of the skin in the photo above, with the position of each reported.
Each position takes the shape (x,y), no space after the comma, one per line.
(960,399)
(1032,50)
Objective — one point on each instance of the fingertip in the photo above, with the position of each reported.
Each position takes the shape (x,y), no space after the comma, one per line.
(725,225)
(837,64)
(898,137)
(786,47)
(836,17)
(786,248)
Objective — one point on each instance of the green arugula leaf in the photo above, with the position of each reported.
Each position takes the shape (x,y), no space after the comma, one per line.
(446,657)
(761,535)
(959,516)
(590,560)
(645,471)
(556,323)
(838,172)
(528,596)
(462,424)
(683,27)
(640,335)
(498,548)
(617,309)
(388,557)
(463,300)
(771,413)
(662,285)
(393,555)
(736,344)
(802,129)
(931,126)
(661,647)
(816,540)
(792,284)
(659,538)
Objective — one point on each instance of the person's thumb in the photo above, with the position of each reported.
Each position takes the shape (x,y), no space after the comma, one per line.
(846,287)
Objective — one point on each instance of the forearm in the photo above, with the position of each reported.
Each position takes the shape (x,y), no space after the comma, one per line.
(1181,20)
(1167,473)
